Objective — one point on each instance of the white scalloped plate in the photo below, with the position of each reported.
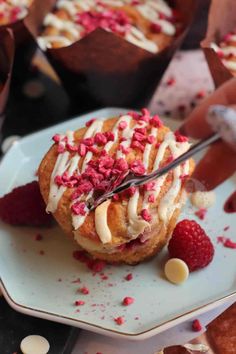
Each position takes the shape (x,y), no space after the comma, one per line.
(42,285)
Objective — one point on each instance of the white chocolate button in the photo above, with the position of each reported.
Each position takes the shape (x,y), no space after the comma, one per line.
(176,271)
(203,199)
(34,345)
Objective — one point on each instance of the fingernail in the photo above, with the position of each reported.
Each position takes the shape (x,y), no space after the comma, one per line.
(230,204)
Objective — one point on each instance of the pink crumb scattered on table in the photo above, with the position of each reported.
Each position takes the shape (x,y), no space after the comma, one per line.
(196,326)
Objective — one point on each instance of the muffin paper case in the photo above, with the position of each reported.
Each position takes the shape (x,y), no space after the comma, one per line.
(7,49)
(24,42)
(221,20)
(103,69)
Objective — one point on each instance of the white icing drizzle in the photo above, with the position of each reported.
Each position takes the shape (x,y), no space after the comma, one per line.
(148,149)
(64,163)
(151,11)
(225,51)
(135,36)
(101,223)
(167,204)
(62,25)
(46,41)
(115,131)
(230,64)
(228,50)
(60,167)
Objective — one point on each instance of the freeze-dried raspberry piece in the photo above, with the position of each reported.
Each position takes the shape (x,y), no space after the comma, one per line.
(84,290)
(156,121)
(120,165)
(119,320)
(122,125)
(128,301)
(79,208)
(88,141)
(137,167)
(90,122)
(146,215)
(79,303)
(82,149)
(180,138)
(110,136)
(129,277)
(100,139)
(130,191)
(196,326)
(24,205)
(139,137)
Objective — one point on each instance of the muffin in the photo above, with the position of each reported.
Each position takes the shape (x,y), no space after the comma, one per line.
(148,24)
(135,224)
(226,50)
(13,10)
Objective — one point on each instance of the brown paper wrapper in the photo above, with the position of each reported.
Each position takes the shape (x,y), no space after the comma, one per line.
(24,42)
(7,49)
(221,20)
(103,69)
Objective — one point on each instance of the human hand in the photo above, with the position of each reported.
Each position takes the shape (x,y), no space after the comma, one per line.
(219,163)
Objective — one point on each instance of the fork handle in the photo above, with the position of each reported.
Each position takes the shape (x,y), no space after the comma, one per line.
(182,158)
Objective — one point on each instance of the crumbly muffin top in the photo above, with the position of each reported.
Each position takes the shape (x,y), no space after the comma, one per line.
(226,51)
(138,21)
(13,10)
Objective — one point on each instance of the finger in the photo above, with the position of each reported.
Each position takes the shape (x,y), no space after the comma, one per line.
(196,125)
(230,205)
(217,165)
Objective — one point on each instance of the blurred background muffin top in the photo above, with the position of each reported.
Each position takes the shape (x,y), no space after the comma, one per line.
(149,24)
(226,50)
(13,10)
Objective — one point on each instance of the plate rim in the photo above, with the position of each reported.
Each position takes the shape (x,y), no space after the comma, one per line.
(148,333)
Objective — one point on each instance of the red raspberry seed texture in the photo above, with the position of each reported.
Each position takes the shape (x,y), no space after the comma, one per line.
(190,243)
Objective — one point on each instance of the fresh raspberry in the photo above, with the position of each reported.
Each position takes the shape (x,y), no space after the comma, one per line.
(190,243)
(24,205)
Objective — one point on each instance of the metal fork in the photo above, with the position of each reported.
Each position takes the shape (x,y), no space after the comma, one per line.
(131,180)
